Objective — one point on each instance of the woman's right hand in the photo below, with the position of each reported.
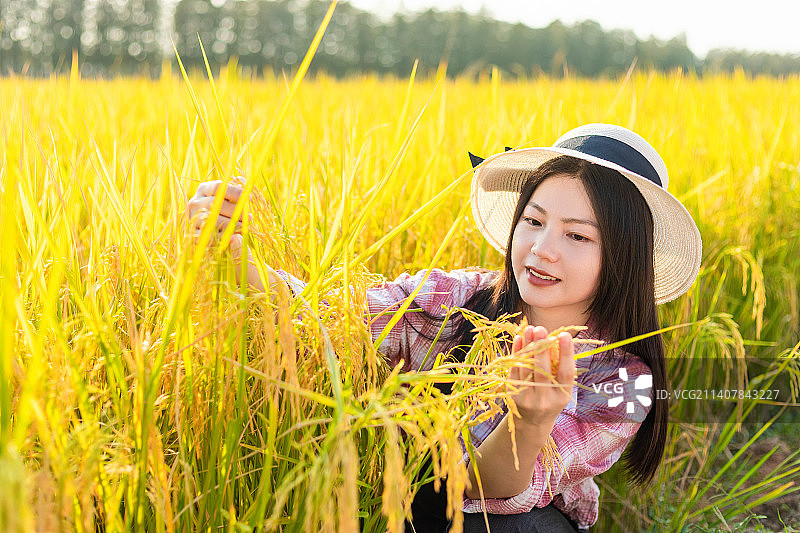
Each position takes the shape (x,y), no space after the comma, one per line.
(198,209)
(199,206)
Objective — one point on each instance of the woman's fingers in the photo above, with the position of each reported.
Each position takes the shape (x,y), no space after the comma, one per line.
(561,352)
(542,374)
(530,334)
(527,336)
(209,188)
(206,192)
(566,366)
(200,205)
(222,223)
(557,363)
(197,206)
(516,346)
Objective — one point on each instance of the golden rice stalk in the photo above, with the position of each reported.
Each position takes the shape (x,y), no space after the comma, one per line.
(394,481)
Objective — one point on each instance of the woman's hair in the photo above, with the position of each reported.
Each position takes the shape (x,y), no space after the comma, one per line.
(624,303)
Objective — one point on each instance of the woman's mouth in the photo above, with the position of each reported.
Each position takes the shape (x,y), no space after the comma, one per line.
(539,277)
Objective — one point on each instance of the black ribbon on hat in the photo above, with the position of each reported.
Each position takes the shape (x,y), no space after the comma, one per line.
(477,160)
(615,151)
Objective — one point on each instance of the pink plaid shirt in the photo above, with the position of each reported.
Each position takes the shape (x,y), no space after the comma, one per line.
(592,431)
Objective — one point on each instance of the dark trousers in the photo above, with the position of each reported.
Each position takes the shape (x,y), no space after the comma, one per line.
(546,519)
(428,511)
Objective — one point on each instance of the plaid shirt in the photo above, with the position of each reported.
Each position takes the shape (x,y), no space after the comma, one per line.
(589,433)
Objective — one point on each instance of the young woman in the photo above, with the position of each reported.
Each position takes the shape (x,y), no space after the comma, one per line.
(590,237)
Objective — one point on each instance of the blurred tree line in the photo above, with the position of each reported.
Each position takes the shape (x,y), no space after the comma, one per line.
(111,37)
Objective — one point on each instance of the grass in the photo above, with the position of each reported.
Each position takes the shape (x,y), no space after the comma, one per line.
(141,388)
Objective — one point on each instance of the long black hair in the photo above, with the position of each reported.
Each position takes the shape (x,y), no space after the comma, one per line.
(624,303)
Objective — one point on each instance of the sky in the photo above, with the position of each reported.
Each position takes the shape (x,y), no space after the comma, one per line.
(759,26)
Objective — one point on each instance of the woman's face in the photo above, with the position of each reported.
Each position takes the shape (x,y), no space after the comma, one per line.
(556,254)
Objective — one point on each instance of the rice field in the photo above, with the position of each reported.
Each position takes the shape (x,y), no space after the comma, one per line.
(143,388)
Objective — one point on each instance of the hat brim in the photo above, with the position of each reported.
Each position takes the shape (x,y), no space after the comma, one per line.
(678,248)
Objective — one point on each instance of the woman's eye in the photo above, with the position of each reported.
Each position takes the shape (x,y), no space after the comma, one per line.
(532,221)
(578,237)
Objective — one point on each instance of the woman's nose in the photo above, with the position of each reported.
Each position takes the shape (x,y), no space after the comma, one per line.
(545,246)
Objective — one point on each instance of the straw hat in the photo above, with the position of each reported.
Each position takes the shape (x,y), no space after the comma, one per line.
(498,180)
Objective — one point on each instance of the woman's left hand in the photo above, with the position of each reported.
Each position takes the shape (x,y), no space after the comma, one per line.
(540,404)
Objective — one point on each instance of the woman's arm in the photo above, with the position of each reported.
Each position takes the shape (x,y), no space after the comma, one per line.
(590,436)
(539,405)
(253,275)
(411,339)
